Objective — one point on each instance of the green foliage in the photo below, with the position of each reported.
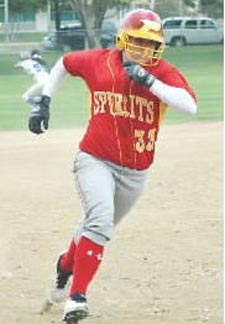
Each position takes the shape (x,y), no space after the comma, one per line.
(167,8)
(190,3)
(211,8)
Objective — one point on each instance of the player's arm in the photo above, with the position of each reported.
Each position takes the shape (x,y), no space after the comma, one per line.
(18,65)
(56,77)
(177,98)
(39,118)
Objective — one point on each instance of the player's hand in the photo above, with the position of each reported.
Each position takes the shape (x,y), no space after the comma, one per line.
(39,118)
(139,74)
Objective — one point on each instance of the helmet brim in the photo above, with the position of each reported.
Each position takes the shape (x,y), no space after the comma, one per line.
(151,35)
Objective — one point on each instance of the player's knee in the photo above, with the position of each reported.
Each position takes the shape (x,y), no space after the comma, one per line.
(100,230)
(98,237)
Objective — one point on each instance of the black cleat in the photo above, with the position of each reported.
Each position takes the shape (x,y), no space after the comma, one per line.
(63,276)
(59,290)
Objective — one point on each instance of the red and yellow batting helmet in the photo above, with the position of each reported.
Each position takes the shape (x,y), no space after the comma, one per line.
(142,24)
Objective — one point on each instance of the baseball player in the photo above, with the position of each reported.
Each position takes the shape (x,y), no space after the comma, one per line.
(33,64)
(131,87)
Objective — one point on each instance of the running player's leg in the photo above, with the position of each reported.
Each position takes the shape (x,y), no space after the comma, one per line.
(129,188)
(96,187)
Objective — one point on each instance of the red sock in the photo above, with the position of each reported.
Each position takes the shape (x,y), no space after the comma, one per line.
(68,258)
(88,257)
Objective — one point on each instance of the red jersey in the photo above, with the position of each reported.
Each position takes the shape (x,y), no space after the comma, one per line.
(125,116)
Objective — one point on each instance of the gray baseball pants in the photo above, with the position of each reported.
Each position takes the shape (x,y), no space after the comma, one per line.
(107,192)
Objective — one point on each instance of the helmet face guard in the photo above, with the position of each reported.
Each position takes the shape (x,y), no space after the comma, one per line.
(144,55)
(142,25)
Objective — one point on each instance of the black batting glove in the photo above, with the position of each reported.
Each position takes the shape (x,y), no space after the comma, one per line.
(38,121)
(139,74)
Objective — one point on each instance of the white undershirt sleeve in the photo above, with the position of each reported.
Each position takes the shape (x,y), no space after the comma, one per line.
(176,98)
(56,77)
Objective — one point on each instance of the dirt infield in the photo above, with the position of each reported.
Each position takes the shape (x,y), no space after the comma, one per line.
(164,264)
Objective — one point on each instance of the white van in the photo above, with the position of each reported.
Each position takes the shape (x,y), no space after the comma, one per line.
(188,30)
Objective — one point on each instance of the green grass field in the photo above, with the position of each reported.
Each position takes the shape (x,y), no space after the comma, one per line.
(203,66)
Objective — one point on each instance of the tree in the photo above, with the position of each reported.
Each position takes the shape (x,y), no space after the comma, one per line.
(56,6)
(91,13)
